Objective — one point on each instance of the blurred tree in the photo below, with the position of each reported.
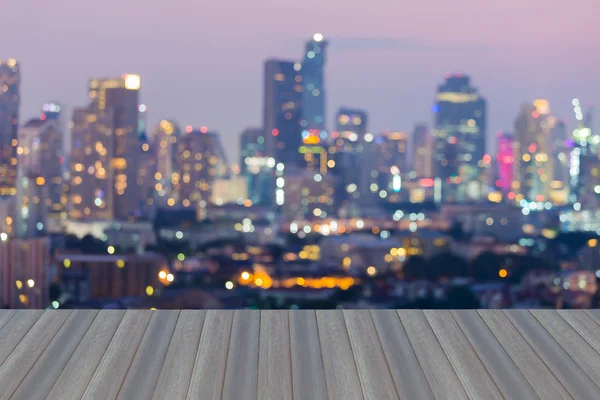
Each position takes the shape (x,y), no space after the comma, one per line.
(486,265)
(447,265)
(461,298)
(415,268)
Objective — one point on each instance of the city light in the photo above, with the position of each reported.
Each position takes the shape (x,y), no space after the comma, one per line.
(132,81)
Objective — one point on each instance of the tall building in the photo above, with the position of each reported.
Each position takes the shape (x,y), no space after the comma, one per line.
(165,140)
(561,148)
(9,123)
(313,81)
(585,163)
(388,165)
(255,167)
(282,111)
(107,146)
(533,152)
(200,162)
(422,148)
(40,200)
(91,185)
(505,164)
(460,129)
(352,156)
(252,144)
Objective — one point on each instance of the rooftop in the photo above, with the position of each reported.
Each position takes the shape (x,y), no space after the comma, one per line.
(376,354)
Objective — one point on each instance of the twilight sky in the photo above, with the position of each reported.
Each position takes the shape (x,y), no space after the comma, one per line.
(201,61)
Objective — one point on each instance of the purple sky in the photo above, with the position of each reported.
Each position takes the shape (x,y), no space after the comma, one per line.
(201,62)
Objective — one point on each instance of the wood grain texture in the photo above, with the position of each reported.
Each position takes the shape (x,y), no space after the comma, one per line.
(472,373)
(341,374)
(241,373)
(49,366)
(373,370)
(439,372)
(307,362)
(76,375)
(573,343)
(584,325)
(499,365)
(110,374)
(211,361)
(24,356)
(541,379)
(148,361)
(6,315)
(15,329)
(274,358)
(177,368)
(594,315)
(572,377)
(406,371)
(300,355)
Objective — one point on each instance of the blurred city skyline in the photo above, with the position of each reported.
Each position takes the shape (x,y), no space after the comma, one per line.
(202,64)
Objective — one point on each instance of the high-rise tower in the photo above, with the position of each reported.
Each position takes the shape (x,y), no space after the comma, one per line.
(9,124)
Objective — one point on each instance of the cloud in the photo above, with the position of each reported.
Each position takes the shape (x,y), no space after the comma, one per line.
(409,44)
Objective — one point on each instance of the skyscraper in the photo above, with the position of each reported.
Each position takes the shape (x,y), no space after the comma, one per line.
(505,163)
(313,97)
(106,139)
(282,111)
(122,96)
(165,140)
(91,188)
(352,145)
(460,129)
(255,167)
(533,160)
(252,144)
(390,161)
(40,200)
(9,122)
(200,161)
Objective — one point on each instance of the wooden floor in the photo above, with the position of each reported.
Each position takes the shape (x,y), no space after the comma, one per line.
(279,355)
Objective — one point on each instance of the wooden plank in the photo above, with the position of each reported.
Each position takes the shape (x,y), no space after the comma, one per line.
(475,378)
(148,361)
(307,362)
(211,361)
(177,368)
(15,329)
(409,378)
(541,379)
(572,377)
(594,314)
(373,369)
(441,376)
(573,343)
(341,374)
(5,315)
(39,381)
(502,369)
(110,374)
(274,363)
(24,356)
(76,375)
(241,373)
(584,325)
